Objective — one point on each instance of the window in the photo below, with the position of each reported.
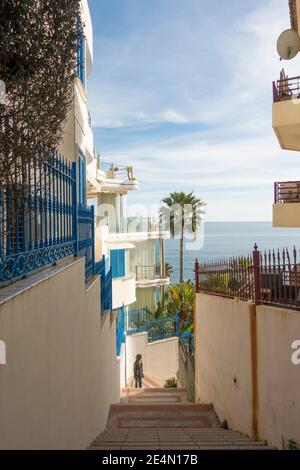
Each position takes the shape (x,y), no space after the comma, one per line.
(117,263)
(81,52)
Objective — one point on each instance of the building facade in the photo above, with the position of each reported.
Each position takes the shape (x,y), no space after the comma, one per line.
(60,373)
(286,125)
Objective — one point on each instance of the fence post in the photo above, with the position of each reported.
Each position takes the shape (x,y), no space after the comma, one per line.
(256,272)
(74,207)
(197,283)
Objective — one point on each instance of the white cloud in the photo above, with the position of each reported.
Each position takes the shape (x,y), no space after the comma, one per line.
(219,79)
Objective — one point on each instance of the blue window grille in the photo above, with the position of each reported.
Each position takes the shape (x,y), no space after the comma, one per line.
(117,262)
(120,329)
(81,58)
(101,268)
(41,221)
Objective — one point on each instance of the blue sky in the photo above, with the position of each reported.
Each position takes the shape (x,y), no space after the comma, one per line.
(182,90)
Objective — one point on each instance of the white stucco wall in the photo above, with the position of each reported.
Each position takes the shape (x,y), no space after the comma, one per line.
(223,353)
(223,359)
(123,290)
(62,373)
(160,359)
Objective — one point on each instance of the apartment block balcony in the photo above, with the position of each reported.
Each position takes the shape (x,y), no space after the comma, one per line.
(135,229)
(286,112)
(115,178)
(151,276)
(286,207)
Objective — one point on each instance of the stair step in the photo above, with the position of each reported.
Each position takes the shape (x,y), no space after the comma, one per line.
(189,439)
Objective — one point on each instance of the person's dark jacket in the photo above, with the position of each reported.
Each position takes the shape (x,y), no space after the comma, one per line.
(138,369)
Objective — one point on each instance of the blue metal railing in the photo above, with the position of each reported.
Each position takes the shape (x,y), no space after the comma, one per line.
(158,329)
(187,338)
(162,328)
(137,321)
(37,218)
(120,329)
(40,220)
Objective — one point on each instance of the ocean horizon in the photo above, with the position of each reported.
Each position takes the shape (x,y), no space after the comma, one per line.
(227,239)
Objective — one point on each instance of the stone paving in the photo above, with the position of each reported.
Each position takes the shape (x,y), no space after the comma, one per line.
(150,419)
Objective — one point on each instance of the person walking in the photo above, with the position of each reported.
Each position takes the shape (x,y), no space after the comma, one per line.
(138,371)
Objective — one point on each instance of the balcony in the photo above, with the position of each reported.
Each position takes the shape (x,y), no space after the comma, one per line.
(286,112)
(115,178)
(150,276)
(286,207)
(134,229)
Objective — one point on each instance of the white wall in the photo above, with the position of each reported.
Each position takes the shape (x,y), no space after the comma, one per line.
(123,291)
(243,353)
(160,359)
(62,373)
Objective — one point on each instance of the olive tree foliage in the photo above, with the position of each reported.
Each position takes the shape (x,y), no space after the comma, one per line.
(38,64)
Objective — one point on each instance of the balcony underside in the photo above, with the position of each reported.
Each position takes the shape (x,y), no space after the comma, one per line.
(286,215)
(286,123)
(147,283)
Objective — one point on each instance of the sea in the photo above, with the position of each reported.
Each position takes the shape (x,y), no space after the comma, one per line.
(225,239)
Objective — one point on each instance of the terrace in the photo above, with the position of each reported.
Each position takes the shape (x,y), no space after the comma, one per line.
(286,207)
(286,111)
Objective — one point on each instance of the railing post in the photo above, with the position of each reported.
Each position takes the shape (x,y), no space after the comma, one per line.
(177,325)
(74,207)
(256,273)
(197,283)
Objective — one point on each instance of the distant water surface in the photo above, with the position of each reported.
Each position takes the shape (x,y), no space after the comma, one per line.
(226,239)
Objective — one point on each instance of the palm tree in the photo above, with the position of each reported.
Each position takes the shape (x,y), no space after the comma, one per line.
(184,212)
(180,298)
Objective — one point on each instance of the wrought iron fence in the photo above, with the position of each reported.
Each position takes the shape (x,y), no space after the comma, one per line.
(287,192)
(157,329)
(37,217)
(162,328)
(137,321)
(286,88)
(271,277)
(40,220)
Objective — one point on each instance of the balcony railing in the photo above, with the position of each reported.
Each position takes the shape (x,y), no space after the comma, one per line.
(148,273)
(286,89)
(158,329)
(287,192)
(140,224)
(116,172)
(271,277)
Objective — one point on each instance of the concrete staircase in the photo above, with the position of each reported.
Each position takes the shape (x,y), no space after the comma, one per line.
(164,419)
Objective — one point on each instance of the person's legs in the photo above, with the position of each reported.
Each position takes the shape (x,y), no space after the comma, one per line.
(136,382)
(140,382)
